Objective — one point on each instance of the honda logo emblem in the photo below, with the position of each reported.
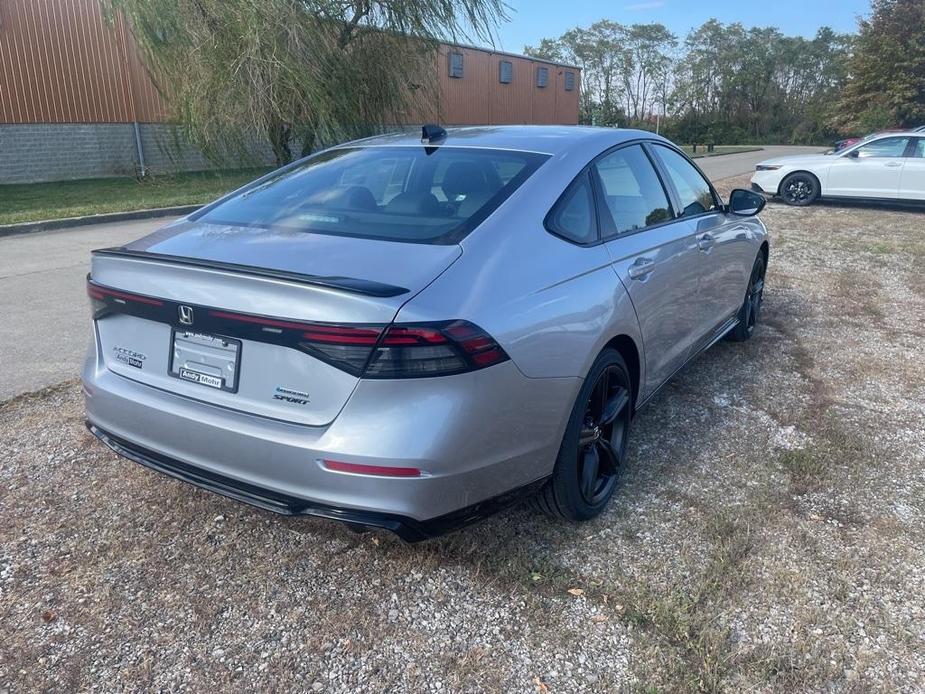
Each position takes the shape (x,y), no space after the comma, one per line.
(186,314)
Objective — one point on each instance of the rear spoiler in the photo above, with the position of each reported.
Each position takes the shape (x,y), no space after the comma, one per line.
(347,284)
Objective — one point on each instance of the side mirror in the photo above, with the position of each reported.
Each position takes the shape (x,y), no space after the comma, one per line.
(853,154)
(745,203)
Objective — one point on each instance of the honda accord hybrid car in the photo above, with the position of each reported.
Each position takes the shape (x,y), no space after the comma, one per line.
(884,167)
(410,332)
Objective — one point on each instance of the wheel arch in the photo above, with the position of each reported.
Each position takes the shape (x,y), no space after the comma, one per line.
(626,346)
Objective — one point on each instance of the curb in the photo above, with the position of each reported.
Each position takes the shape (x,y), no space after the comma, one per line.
(67,222)
(706,155)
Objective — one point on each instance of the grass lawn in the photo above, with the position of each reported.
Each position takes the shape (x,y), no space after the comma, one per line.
(718,150)
(36,201)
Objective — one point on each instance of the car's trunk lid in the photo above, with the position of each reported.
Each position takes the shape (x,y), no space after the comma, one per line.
(230,278)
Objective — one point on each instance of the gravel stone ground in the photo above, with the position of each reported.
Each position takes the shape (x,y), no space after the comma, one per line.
(769,534)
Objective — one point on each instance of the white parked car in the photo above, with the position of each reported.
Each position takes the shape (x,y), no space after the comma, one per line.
(889,166)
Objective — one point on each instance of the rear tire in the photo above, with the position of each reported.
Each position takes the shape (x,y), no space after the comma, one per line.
(799,189)
(750,310)
(593,450)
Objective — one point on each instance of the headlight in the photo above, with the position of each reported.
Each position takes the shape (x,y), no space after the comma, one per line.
(767,167)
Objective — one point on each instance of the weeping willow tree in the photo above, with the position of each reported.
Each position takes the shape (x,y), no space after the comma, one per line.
(303,72)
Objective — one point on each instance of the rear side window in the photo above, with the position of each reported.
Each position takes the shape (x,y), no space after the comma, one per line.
(634,195)
(889,148)
(919,151)
(417,194)
(694,191)
(574,217)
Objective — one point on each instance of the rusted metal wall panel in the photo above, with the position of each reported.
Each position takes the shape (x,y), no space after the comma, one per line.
(460,103)
(62,62)
(567,101)
(511,103)
(544,98)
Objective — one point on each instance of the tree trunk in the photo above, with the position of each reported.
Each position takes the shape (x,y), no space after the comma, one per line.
(308,142)
(280,133)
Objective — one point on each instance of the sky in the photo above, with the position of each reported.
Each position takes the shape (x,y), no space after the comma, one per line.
(532,20)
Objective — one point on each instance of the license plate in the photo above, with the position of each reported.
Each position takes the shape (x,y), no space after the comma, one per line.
(209,360)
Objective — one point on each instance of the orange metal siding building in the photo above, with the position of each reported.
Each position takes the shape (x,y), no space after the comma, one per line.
(62,62)
(77,102)
(479,97)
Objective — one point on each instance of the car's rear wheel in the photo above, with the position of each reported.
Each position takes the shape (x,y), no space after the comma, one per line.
(593,450)
(751,306)
(799,189)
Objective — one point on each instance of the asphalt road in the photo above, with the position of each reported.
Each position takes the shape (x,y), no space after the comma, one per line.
(45,324)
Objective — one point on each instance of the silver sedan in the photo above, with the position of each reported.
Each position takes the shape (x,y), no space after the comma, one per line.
(409,332)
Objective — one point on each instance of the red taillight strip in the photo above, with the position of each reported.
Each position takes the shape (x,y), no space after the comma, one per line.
(343,335)
(335,334)
(379,470)
(257,320)
(99,292)
(399,335)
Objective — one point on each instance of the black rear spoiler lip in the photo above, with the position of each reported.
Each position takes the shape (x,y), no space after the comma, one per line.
(345,284)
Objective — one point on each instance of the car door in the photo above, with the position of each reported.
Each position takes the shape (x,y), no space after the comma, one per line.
(654,256)
(724,260)
(871,170)
(912,181)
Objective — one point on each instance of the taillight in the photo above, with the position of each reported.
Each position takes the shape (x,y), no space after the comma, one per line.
(433,349)
(404,350)
(104,299)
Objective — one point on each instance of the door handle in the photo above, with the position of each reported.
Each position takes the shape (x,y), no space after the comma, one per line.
(705,241)
(641,268)
(893,164)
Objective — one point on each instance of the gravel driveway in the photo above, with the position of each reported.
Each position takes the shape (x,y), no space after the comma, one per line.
(769,535)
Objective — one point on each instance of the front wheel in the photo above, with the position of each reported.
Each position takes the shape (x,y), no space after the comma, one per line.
(593,450)
(751,306)
(799,189)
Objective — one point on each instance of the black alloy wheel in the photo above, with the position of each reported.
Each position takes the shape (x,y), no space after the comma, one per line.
(751,306)
(593,451)
(602,441)
(799,189)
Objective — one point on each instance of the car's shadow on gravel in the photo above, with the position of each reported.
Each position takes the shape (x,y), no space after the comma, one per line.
(674,430)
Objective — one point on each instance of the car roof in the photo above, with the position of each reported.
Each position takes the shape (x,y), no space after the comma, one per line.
(546,139)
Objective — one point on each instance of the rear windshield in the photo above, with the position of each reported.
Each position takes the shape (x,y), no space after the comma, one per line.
(419,194)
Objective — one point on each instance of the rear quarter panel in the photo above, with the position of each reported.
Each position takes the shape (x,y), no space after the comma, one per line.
(552,305)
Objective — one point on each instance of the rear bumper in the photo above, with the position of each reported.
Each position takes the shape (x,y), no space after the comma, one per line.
(408,529)
(476,436)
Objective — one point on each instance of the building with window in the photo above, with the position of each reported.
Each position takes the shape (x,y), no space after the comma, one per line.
(76,101)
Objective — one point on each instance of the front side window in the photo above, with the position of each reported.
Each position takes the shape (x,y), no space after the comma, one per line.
(573,216)
(694,191)
(890,148)
(634,195)
(386,193)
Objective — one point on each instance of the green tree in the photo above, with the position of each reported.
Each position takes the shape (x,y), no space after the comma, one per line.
(646,60)
(317,71)
(887,85)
